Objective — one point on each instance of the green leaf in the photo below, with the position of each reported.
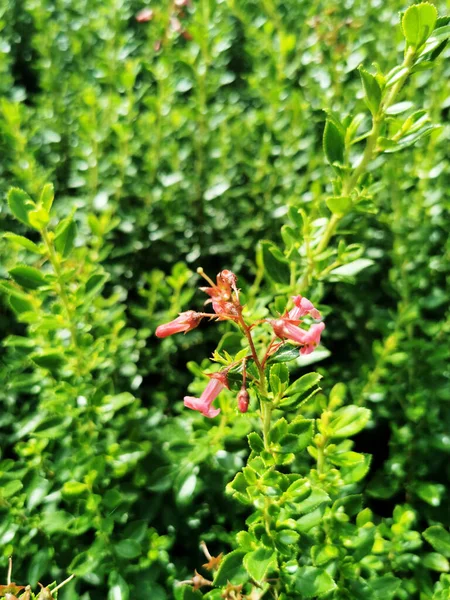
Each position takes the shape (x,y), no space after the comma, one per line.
(48,360)
(20,305)
(11,290)
(384,587)
(346,459)
(431,493)
(352,268)
(259,562)
(298,490)
(38,218)
(313,582)
(436,562)
(348,421)
(323,553)
(339,205)
(357,471)
(11,489)
(231,569)
(337,395)
(279,378)
(65,235)
(390,146)
(275,265)
(310,520)
(74,489)
(442,588)
(84,563)
(418,22)
(20,204)
(351,504)
(115,403)
(299,437)
(333,143)
(95,284)
(372,90)
(255,442)
(313,501)
(22,241)
(304,384)
(301,390)
(439,538)
(19,341)
(286,353)
(287,537)
(28,277)
(186,488)
(238,489)
(128,549)
(47,196)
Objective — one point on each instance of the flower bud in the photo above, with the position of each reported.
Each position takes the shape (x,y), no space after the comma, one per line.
(227,277)
(243,399)
(186,321)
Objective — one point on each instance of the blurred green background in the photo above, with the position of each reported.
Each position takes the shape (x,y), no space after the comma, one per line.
(181,141)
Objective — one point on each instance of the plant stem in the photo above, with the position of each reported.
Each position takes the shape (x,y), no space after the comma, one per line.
(369,151)
(266,406)
(323,444)
(9,576)
(54,260)
(266,415)
(58,587)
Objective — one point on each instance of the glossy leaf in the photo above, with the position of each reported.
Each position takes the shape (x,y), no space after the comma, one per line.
(348,421)
(259,563)
(28,277)
(372,90)
(20,204)
(333,143)
(439,538)
(418,22)
(312,582)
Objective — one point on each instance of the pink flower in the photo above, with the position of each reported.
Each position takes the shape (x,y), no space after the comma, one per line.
(287,329)
(225,310)
(212,390)
(224,295)
(184,322)
(303,307)
(145,15)
(313,338)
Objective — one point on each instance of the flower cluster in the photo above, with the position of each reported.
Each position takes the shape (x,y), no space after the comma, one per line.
(224,299)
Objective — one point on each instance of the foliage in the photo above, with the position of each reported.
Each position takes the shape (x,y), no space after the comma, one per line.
(191,133)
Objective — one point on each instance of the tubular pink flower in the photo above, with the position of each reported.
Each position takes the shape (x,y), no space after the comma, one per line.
(313,338)
(223,295)
(303,307)
(184,322)
(286,329)
(212,390)
(225,310)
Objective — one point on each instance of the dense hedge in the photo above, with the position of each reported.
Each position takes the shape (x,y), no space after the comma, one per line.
(179,142)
